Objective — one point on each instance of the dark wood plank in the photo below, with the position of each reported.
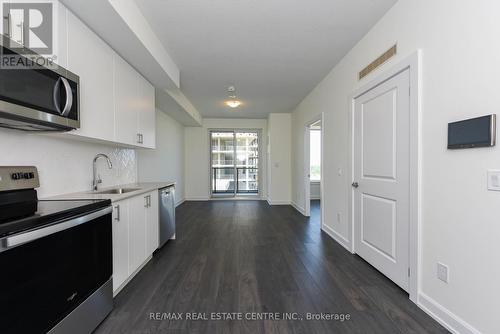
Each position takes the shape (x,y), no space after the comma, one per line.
(246,256)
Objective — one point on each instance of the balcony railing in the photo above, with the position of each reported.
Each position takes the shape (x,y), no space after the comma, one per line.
(224,180)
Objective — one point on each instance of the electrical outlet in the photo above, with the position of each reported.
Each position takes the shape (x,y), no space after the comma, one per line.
(494,180)
(442,272)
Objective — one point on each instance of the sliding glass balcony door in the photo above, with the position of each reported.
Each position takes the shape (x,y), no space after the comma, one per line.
(234,163)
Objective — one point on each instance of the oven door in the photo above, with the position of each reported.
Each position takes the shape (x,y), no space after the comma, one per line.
(37,97)
(47,273)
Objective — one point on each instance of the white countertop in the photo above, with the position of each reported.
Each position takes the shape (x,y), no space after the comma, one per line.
(144,187)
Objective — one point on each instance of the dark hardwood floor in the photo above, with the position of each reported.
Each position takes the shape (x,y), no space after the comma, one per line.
(246,256)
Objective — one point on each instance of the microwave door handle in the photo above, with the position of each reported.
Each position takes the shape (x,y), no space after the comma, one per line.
(69,97)
(56,95)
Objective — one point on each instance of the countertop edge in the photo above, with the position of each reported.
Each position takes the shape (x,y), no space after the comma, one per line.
(145,187)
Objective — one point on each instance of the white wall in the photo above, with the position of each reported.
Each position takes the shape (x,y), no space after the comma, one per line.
(65,165)
(461,79)
(166,163)
(197,157)
(279,156)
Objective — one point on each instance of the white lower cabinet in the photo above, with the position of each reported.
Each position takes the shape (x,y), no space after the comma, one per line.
(135,235)
(120,243)
(152,223)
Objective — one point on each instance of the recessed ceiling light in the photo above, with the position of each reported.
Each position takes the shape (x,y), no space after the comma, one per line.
(233,103)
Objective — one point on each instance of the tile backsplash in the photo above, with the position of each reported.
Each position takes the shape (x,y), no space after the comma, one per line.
(65,165)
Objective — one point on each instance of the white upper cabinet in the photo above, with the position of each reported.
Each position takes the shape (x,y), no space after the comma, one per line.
(92,59)
(61,40)
(146,114)
(116,103)
(135,120)
(127,102)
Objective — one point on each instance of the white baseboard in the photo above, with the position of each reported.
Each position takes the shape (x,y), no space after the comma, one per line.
(445,317)
(299,208)
(196,199)
(278,202)
(337,237)
(180,202)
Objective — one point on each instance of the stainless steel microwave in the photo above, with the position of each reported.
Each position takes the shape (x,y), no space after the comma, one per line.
(38,98)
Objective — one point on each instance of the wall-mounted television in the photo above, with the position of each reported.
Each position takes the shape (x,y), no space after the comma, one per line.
(474,132)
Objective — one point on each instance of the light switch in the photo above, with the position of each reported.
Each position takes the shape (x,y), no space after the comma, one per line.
(442,272)
(494,180)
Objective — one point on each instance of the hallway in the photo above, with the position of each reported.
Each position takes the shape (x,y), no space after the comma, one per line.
(246,256)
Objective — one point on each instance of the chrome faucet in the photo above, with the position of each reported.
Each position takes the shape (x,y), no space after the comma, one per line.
(96,179)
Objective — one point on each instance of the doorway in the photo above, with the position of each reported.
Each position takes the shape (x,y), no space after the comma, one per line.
(385,173)
(234,163)
(313,171)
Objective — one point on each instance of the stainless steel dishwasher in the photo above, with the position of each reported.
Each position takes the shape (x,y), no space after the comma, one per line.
(167,214)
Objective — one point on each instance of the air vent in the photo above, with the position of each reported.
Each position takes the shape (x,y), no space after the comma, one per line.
(377,62)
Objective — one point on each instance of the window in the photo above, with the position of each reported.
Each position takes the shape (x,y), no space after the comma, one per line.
(315,155)
(235,162)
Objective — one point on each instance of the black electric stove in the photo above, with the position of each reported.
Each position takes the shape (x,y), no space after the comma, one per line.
(15,218)
(56,258)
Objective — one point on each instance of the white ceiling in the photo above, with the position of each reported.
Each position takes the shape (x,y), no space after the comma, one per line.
(274,51)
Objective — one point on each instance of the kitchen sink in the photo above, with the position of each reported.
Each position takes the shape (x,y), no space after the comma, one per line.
(117,191)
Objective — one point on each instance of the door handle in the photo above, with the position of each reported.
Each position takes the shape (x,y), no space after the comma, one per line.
(355,184)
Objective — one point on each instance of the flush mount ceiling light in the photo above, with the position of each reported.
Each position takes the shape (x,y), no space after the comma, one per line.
(232,102)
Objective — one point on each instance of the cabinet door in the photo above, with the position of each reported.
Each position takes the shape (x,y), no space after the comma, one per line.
(92,59)
(152,221)
(147,114)
(127,101)
(120,243)
(5,18)
(137,232)
(61,42)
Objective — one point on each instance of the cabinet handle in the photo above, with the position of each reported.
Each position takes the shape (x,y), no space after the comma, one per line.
(138,138)
(117,218)
(9,28)
(142,139)
(149,201)
(145,201)
(22,33)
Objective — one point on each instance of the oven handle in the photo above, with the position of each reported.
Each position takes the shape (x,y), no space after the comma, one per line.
(7,243)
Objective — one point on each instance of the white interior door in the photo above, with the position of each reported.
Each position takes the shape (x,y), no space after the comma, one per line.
(381,177)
